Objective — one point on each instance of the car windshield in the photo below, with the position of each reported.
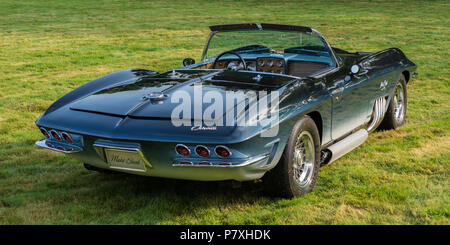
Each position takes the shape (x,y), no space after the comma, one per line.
(260,42)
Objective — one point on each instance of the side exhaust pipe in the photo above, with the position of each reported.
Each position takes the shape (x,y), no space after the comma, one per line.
(379,108)
(347,144)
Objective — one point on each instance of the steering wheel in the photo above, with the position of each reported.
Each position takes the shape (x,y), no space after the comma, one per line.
(233,53)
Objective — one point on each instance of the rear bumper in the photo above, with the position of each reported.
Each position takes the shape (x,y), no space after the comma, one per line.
(161,161)
(69,149)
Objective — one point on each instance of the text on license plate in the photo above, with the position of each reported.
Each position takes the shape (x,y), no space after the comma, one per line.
(124,159)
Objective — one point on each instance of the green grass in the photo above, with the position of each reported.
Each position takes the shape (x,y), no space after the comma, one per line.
(48,48)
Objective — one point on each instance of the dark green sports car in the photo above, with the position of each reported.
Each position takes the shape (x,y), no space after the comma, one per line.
(266,101)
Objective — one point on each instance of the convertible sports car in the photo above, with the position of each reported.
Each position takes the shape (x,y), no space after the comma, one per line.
(328,100)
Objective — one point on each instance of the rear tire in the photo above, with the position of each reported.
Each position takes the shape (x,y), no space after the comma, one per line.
(396,112)
(296,172)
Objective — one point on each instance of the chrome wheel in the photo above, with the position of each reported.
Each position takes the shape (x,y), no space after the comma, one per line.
(304,159)
(399,103)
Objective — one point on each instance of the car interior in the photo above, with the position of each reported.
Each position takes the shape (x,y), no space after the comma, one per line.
(296,61)
(289,64)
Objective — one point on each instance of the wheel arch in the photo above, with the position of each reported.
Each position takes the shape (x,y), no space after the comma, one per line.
(407,75)
(317,118)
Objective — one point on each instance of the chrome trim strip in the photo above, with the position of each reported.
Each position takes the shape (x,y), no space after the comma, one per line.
(117,147)
(41,143)
(127,169)
(333,55)
(326,72)
(205,163)
(205,49)
(270,73)
(185,163)
(214,165)
(257,72)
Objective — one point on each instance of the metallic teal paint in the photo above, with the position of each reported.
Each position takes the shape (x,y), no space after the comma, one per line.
(113,110)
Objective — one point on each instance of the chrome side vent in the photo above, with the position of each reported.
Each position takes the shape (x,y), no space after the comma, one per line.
(379,108)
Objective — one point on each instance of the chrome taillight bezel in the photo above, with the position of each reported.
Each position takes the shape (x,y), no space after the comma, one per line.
(181,145)
(70,141)
(59,138)
(198,146)
(226,148)
(45,133)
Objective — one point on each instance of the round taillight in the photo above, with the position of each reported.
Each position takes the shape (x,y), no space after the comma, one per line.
(202,151)
(55,135)
(222,151)
(45,133)
(67,137)
(182,150)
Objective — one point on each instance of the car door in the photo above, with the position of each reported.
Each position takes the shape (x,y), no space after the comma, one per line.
(380,69)
(350,104)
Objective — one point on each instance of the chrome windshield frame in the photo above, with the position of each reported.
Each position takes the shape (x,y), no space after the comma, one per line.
(313,31)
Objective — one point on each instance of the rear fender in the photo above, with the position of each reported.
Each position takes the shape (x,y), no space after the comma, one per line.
(98,84)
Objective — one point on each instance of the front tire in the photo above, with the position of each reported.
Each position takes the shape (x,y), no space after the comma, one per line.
(296,172)
(396,112)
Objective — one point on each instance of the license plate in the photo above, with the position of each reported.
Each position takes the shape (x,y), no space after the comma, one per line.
(125,159)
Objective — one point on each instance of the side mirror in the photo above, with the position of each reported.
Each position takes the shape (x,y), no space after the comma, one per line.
(355,69)
(188,62)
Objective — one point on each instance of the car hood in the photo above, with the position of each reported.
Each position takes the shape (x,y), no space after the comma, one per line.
(151,96)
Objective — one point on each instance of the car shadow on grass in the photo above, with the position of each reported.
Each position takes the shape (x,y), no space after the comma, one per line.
(123,198)
(62,191)
(183,188)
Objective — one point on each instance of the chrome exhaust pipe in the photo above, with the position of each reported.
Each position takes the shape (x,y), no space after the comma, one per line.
(347,144)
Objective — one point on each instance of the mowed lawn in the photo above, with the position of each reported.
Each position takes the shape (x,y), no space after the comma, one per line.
(48,48)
